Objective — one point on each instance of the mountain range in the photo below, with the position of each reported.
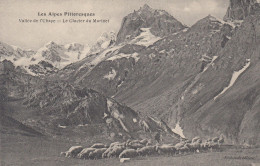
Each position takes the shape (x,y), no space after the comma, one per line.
(203,80)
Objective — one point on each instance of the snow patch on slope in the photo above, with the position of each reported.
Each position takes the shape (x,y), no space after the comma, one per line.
(102,56)
(121,55)
(111,75)
(235,76)
(146,38)
(178,130)
(211,63)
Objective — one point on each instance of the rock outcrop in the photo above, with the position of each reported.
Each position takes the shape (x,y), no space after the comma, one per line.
(240,9)
(160,23)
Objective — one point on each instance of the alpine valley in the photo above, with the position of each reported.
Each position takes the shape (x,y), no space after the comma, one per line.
(155,74)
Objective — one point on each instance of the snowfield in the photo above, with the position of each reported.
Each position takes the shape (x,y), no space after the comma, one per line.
(235,76)
(121,55)
(178,130)
(146,38)
(111,75)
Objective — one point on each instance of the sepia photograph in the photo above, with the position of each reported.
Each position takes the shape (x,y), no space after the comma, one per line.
(130,82)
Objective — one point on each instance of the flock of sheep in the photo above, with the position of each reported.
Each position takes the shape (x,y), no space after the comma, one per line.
(134,148)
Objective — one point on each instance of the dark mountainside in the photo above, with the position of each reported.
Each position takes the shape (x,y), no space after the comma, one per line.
(177,77)
(204,78)
(240,9)
(160,22)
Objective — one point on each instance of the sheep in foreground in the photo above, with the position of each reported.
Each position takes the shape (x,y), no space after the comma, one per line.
(104,155)
(144,141)
(115,152)
(215,139)
(213,145)
(73,151)
(205,146)
(166,149)
(184,149)
(147,150)
(221,141)
(99,146)
(128,153)
(117,144)
(84,154)
(194,147)
(135,146)
(196,139)
(97,154)
(114,143)
(179,145)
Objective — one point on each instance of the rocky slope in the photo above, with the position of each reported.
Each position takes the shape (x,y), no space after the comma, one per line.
(63,105)
(240,9)
(136,75)
(160,22)
(226,96)
(14,82)
(202,78)
(52,56)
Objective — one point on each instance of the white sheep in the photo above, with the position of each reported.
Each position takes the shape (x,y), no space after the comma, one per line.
(194,146)
(97,154)
(84,154)
(195,139)
(179,145)
(144,141)
(147,150)
(215,139)
(98,146)
(73,151)
(134,146)
(166,149)
(115,152)
(114,143)
(184,149)
(128,153)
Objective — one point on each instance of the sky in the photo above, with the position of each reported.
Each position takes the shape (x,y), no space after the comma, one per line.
(35,35)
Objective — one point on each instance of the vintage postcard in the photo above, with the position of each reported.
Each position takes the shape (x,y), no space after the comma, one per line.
(136,83)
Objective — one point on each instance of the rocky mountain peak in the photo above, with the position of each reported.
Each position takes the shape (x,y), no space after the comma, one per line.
(146,8)
(160,23)
(240,9)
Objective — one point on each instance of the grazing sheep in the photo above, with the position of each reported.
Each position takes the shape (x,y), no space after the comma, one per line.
(84,154)
(129,142)
(213,145)
(215,139)
(99,146)
(209,139)
(184,149)
(115,152)
(204,146)
(221,141)
(187,141)
(147,150)
(195,139)
(166,149)
(114,143)
(128,153)
(97,154)
(73,151)
(179,145)
(144,141)
(104,155)
(194,147)
(134,146)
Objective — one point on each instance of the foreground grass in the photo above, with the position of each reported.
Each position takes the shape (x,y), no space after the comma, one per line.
(25,151)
